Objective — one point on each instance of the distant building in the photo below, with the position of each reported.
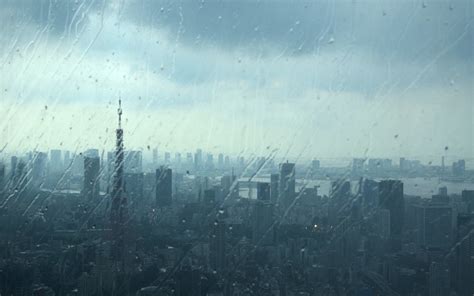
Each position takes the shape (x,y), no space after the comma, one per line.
(167,157)
(198,159)
(263,191)
(155,156)
(55,160)
(358,166)
(133,161)
(163,187)
(91,153)
(459,167)
(274,179)
(134,187)
(38,169)
(91,177)
(220,161)
(287,184)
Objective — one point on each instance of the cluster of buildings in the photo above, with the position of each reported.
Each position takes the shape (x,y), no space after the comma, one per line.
(74,224)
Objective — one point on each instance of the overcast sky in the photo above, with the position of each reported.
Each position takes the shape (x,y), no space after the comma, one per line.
(307,78)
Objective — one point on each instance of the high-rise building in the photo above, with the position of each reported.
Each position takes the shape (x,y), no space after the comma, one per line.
(274,179)
(210,161)
(391,198)
(434,225)
(263,191)
(189,159)
(459,167)
(38,169)
(198,159)
(67,159)
(315,165)
(340,197)
(370,193)
(164,187)
(467,197)
(167,158)
(262,223)
(90,189)
(220,161)
(55,161)
(287,184)
(402,164)
(177,158)
(358,166)
(439,279)
(91,153)
(382,223)
(227,161)
(133,161)
(217,244)
(134,185)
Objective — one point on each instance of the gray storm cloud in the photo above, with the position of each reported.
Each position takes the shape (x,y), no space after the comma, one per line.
(279,73)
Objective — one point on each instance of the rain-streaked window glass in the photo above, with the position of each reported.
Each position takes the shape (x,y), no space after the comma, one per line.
(236,147)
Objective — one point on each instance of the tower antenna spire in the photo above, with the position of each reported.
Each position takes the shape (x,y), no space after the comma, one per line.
(119,111)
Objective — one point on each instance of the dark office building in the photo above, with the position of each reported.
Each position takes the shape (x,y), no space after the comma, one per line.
(287,184)
(91,177)
(274,178)
(391,198)
(217,246)
(262,223)
(467,196)
(163,187)
(263,191)
(370,193)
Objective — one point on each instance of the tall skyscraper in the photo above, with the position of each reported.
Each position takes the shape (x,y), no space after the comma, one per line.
(287,184)
(163,187)
(391,198)
(118,212)
(90,189)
